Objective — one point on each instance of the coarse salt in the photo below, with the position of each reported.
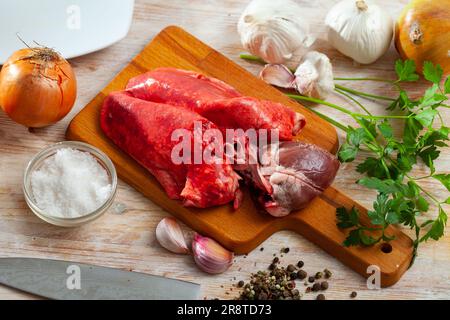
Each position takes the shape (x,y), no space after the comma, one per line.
(70,184)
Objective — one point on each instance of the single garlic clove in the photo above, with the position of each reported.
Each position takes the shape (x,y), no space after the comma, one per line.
(170,236)
(306,80)
(314,76)
(210,256)
(278,75)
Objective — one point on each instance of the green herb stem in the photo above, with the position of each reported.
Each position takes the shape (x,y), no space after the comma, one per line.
(319,101)
(330,120)
(353,99)
(365,79)
(339,108)
(363,94)
(250,57)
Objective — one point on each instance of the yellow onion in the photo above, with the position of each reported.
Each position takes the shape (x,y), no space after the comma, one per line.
(37,87)
(423,33)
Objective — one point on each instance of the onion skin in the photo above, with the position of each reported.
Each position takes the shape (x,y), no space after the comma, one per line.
(422,33)
(35,92)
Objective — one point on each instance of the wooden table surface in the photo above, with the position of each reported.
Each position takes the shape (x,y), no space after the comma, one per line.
(127,240)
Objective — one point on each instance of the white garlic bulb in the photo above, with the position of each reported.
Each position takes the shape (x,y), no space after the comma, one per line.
(359,29)
(313,77)
(274,30)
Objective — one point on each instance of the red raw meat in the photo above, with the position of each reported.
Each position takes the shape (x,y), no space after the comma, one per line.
(216,101)
(143,130)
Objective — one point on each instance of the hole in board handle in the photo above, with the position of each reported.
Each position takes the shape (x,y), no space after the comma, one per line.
(386,247)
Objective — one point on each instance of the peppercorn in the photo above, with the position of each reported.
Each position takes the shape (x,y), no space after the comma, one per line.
(319,275)
(300,264)
(316,287)
(302,274)
(291,268)
(353,294)
(327,273)
(324,285)
(290,285)
(311,279)
(293,275)
(285,250)
(262,296)
(240,284)
(275,260)
(272,266)
(320,297)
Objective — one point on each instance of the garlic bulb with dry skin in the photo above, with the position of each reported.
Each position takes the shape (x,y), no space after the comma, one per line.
(274,30)
(313,77)
(359,29)
(210,256)
(170,236)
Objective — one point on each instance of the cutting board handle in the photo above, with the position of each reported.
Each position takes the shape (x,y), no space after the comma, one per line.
(318,224)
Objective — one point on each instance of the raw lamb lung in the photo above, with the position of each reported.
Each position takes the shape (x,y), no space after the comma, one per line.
(143,130)
(175,99)
(216,101)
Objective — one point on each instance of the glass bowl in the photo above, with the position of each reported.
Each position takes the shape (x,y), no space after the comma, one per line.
(37,161)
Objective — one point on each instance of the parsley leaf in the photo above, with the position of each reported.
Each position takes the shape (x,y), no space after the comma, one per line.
(432,73)
(406,70)
(373,167)
(347,219)
(386,129)
(353,239)
(432,97)
(444,179)
(349,149)
(426,117)
(447,85)
(437,227)
(347,152)
(422,204)
(411,131)
(387,186)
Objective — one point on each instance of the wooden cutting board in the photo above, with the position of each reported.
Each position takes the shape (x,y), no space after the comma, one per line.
(244,229)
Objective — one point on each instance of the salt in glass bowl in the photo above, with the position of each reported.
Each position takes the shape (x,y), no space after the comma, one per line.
(36,162)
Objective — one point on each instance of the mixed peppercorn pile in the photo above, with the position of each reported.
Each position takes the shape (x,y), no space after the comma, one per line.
(281,282)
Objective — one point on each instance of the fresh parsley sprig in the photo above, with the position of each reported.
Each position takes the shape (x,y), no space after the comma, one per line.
(401,199)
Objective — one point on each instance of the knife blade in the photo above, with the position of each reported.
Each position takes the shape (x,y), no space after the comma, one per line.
(65,280)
